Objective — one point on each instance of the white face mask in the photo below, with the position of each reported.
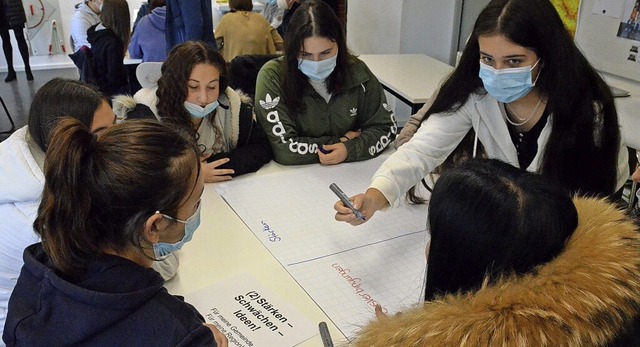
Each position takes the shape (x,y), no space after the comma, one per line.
(317,70)
(198,111)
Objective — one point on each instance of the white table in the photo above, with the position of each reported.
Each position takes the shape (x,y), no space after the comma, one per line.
(412,78)
(223,246)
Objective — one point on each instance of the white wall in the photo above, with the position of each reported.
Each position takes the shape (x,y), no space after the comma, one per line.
(373,26)
(404,26)
(470,11)
(431,28)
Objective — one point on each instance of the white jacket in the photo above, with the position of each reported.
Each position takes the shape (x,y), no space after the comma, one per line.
(439,136)
(83,18)
(21,184)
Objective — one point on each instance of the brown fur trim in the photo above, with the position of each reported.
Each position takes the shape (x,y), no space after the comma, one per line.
(581,298)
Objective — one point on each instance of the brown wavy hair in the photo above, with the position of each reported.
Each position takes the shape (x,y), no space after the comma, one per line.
(172,85)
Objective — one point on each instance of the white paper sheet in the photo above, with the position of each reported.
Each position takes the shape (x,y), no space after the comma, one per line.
(250,315)
(345,269)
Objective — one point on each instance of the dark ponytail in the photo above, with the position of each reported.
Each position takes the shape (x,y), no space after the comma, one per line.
(69,161)
(100,191)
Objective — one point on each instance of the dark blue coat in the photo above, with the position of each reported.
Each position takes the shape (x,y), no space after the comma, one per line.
(189,20)
(114,302)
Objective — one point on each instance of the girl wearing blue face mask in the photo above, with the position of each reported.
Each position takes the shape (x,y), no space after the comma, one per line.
(319,103)
(522,93)
(192,95)
(112,204)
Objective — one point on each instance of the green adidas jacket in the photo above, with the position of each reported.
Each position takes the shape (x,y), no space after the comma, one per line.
(361,105)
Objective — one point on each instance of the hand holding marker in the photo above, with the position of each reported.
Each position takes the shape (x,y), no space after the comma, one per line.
(345,200)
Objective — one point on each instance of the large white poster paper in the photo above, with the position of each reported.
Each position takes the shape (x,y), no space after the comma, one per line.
(346,270)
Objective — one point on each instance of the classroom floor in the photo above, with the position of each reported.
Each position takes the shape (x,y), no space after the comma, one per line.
(17,94)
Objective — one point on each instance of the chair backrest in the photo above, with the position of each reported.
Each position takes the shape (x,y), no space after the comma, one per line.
(83,59)
(148,74)
(243,71)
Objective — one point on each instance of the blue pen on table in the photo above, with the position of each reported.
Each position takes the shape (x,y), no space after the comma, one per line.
(324,334)
(345,200)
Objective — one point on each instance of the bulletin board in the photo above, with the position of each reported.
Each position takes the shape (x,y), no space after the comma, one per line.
(609,35)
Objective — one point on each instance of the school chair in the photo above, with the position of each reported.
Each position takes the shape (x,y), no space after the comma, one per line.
(148,74)
(243,71)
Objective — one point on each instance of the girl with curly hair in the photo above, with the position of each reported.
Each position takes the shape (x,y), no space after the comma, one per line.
(193,95)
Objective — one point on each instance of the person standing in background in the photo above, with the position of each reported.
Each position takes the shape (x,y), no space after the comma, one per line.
(86,15)
(12,17)
(148,42)
(189,20)
(145,9)
(274,11)
(243,32)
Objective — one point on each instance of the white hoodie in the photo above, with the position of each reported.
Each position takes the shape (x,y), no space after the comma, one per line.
(82,19)
(21,183)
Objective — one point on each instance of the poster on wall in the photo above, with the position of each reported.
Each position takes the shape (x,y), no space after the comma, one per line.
(43,38)
(630,23)
(568,10)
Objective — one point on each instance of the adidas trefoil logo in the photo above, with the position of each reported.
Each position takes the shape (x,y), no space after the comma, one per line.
(353,112)
(269,103)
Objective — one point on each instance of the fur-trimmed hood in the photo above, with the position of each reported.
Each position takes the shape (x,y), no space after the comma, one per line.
(584,297)
(123,104)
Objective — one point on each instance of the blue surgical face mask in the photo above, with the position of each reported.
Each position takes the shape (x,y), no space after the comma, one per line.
(196,111)
(162,249)
(317,70)
(507,85)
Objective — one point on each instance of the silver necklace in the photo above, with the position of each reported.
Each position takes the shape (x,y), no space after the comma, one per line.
(522,120)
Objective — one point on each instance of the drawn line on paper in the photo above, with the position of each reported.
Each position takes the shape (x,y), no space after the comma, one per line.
(354,248)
